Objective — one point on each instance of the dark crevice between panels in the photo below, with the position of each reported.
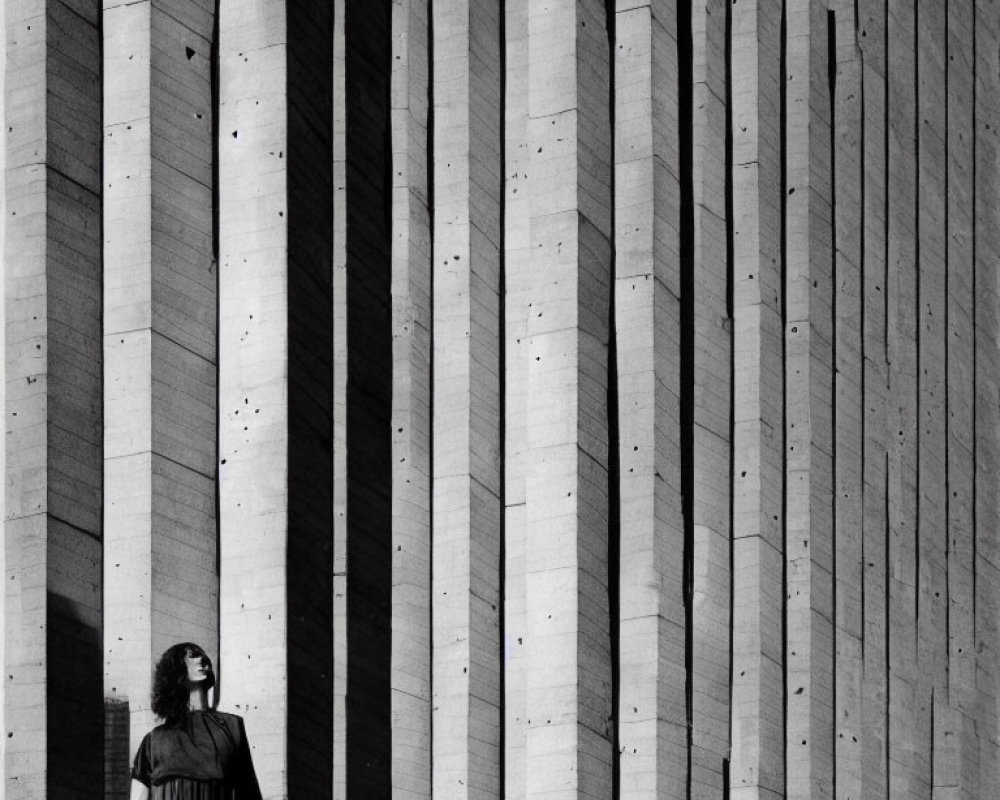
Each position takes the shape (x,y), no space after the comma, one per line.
(687,323)
(368,159)
(214,112)
(862,310)
(887,571)
(831,80)
(885,195)
(614,458)
(430,358)
(975,340)
(429,160)
(886,484)
(783,283)
(309,544)
(916,310)
(933,748)
(730,258)
(948,525)
(502,387)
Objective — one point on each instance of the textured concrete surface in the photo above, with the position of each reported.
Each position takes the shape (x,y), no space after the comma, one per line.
(160,566)
(53,366)
(588,400)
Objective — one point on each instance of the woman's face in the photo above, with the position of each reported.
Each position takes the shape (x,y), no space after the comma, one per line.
(199,665)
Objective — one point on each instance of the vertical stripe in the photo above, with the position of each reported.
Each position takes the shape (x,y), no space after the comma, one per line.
(467,448)
(808,414)
(870,36)
(711,502)
(411,418)
(653,736)
(160,560)
(901,333)
(959,380)
(275,386)
(517,271)
(368,413)
(848,446)
(567,653)
(758,724)
(341,659)
(931,389)
(53,378)
(986,247)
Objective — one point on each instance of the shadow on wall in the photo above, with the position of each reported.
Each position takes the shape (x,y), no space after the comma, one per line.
(75,743)
(117,758)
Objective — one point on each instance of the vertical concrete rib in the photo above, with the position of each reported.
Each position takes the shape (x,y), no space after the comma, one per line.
(341,656)
(53,484)
(160,561)
(848,445)
(711,456)
(3,394)
(808,413)
(960,389)
(467,514)
(757,725)
(902,356)
(410,677)
(567,653)
(275,386)
(518,278)
(870,37)
(653,725)
(986,251)
(932,508)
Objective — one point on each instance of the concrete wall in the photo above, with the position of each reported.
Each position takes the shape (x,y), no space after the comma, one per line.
(573,399)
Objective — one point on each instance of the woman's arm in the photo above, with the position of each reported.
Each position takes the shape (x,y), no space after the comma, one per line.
(139,791)
(247,787)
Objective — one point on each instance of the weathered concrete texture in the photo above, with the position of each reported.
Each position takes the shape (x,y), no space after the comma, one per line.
(962,774)
(986,249)
(52,526)
(757,722)
(160,561)
(567,650)
(467,520)
(810,398)
(517,269)
(932,504)
(901,348)
(711,571)
(275,386)
(411,416)
(844,74)
(652,726)
(607,392)
(869,35)
(3,394)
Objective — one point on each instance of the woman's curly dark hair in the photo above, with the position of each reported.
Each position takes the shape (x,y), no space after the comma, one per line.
(170,686)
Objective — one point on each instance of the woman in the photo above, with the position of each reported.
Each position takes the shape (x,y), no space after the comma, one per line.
(198,753)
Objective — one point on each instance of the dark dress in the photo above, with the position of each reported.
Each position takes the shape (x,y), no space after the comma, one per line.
(205,758)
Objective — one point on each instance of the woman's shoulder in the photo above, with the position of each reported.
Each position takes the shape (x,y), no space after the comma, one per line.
(233,723)
(233,719)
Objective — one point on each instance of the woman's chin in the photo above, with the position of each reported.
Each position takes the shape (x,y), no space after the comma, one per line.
(206,681)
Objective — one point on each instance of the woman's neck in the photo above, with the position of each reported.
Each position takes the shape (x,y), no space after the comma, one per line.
(199,699)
